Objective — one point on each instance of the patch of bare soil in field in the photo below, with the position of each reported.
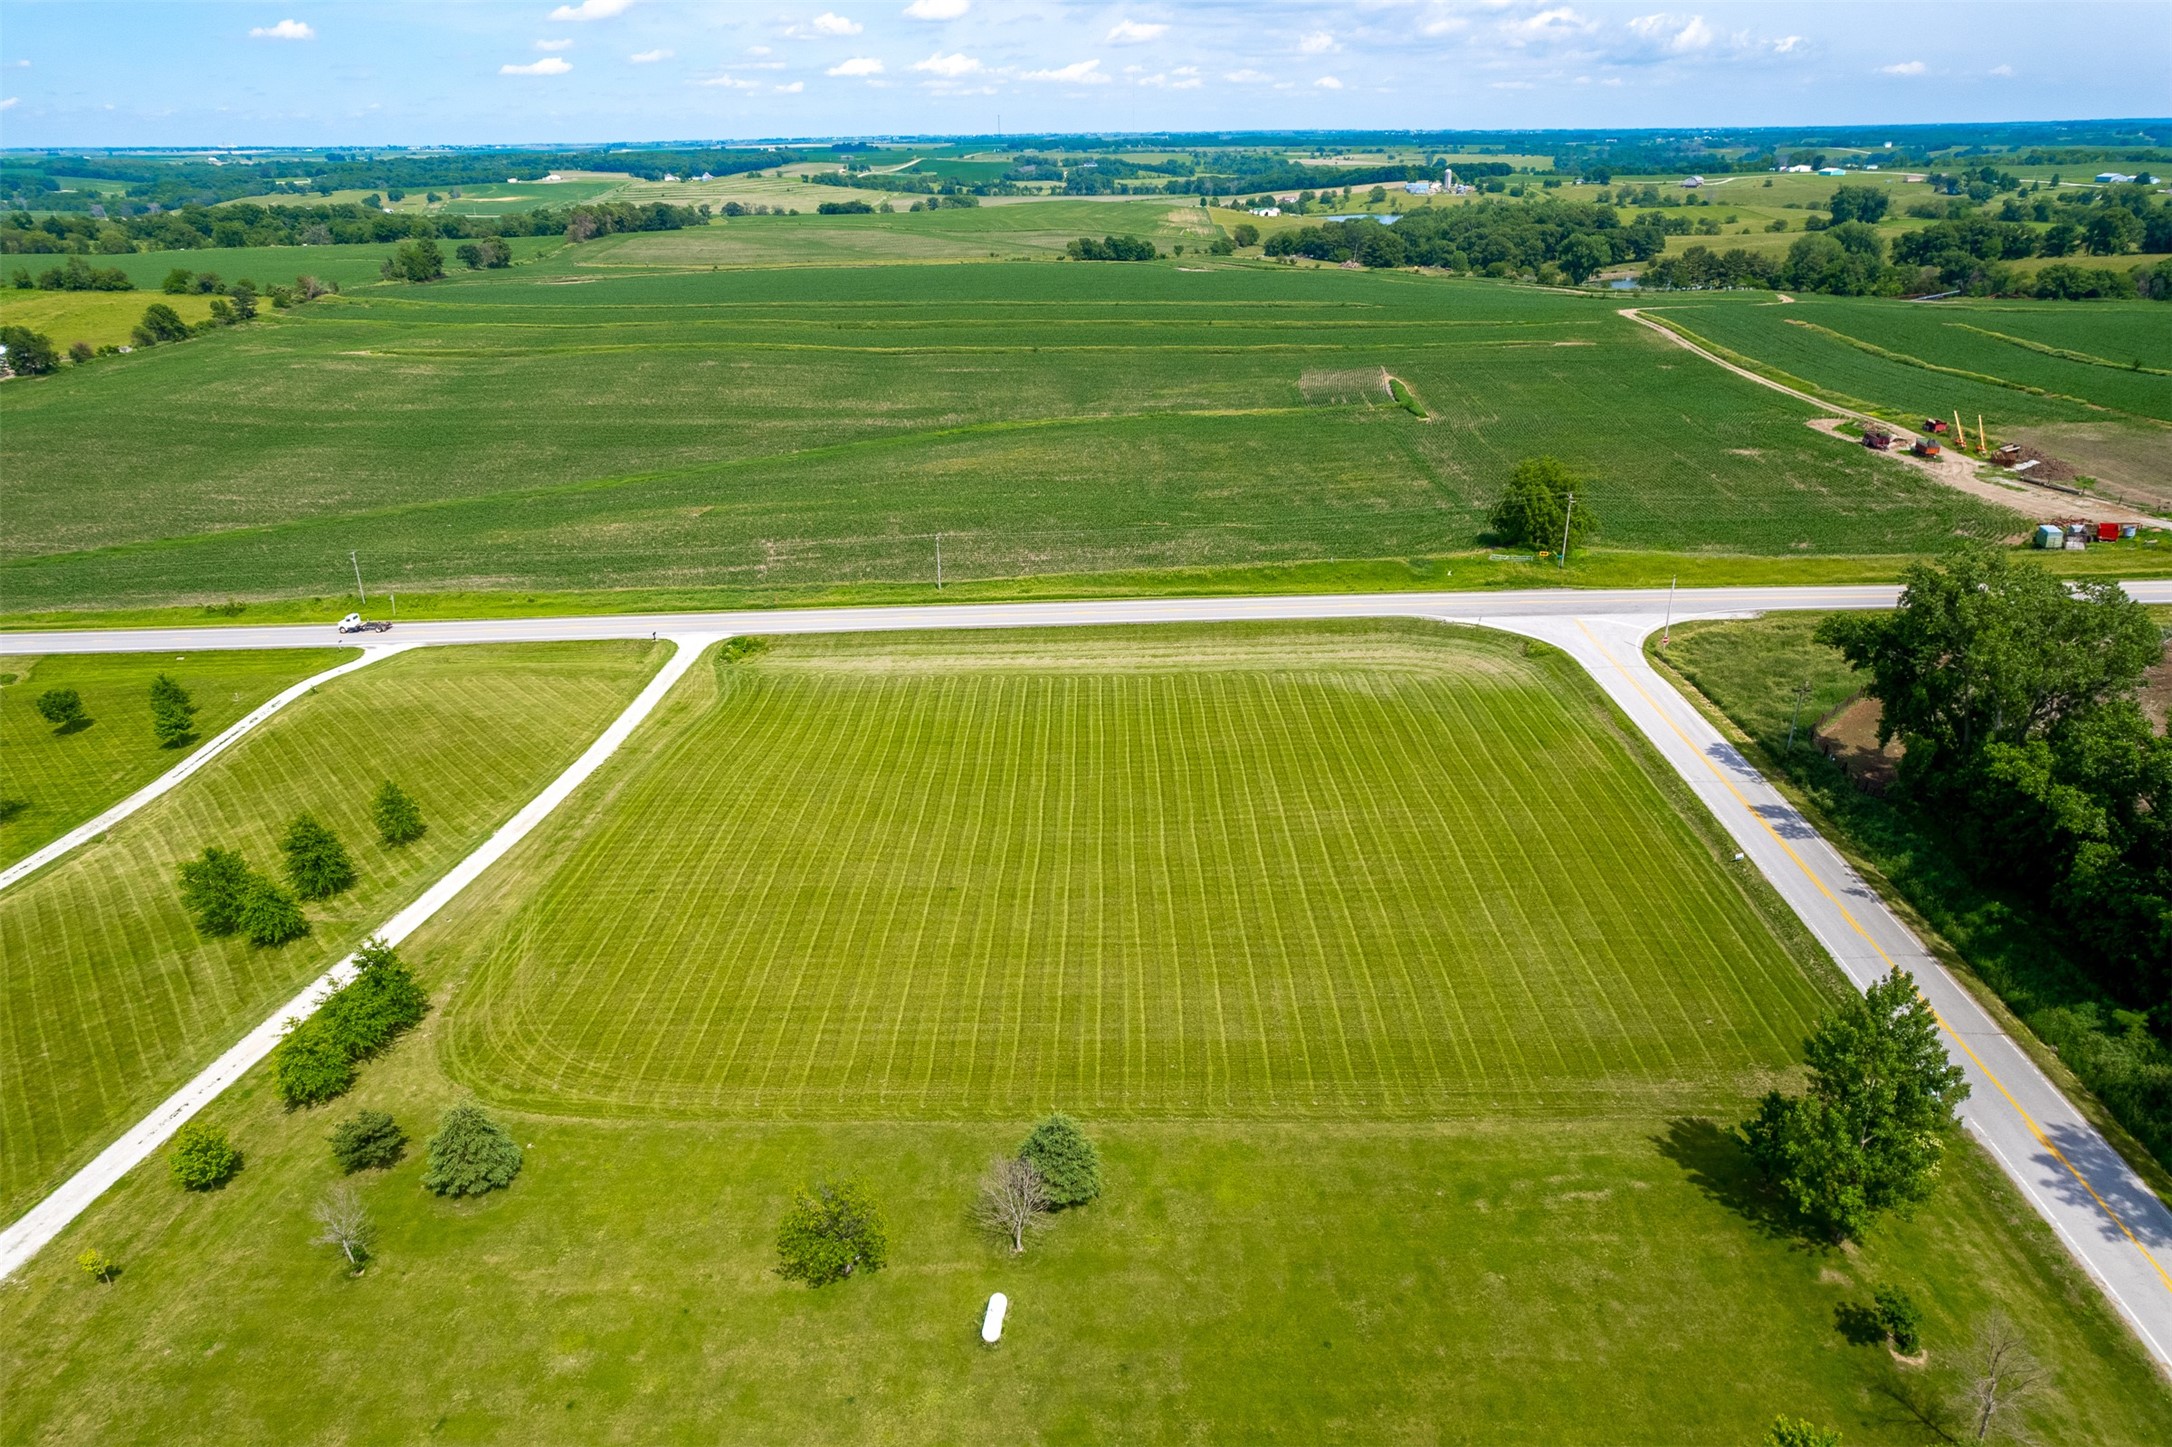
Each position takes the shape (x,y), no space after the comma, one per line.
(1849,736)
(2134,463)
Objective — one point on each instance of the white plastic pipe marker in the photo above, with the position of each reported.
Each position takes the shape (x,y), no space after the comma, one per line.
(991,1325)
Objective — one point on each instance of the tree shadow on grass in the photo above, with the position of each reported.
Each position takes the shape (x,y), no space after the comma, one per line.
(1859,1324)
(73,726)
(1713,1159)
(1908,1401)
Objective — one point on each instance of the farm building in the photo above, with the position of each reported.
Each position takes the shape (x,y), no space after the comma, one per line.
(1692,181)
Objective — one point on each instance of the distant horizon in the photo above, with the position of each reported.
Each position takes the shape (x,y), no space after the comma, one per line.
(307,74)
(1803,133)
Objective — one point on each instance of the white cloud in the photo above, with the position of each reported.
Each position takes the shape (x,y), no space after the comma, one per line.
(831,24)
(554,45)
(1248,77)
(649,57)
(1327,82)
(937,9)
(793,89)
(1134,32)
(1905,67)
(1184,77)
(16,65)
(730,82)
(1446,25)
(591,10)
(548,65)
(284,30)
(949,67)
(10,103)
(1078,72)
(1547,26)
(858,65)
(1319,42)
(1675,34)
(2003,72)
(1788,44)
(759,50)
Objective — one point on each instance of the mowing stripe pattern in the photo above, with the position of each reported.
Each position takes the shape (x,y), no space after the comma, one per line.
(1368,870)
(109,998)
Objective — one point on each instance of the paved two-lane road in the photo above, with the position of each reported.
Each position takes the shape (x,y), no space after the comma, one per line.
(2108,1218)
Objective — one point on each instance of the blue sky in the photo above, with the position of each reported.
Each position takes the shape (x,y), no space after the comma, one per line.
(288,72)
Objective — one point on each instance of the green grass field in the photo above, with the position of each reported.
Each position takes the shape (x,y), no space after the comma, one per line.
(1397,847)
(1135,873)
(109,997)
(604,426)
(63,779)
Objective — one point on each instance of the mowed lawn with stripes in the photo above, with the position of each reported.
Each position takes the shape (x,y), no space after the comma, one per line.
(1357,870)
(55,780)
(109,996)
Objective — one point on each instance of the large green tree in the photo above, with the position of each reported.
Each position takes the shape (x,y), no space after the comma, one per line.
(1535,510)
(2014,692)
(1868,1134)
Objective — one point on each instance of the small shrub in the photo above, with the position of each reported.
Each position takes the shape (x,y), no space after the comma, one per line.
(98,1266)
(1070,1167)
(1794,1432)
(368,1140)
(173,713)
(62,708)
(470,1155)
(397,818)
(1901,1318)
(310,1065)
(203,1158)
(269,915)
(317,862)
(831,1232)
(213,888)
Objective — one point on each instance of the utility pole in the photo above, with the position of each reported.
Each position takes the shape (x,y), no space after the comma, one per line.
(1666,634)
(1802,692)
(358,577)
(938,562)
(1565,518)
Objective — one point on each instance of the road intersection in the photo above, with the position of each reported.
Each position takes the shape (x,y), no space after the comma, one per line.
(2101,1209)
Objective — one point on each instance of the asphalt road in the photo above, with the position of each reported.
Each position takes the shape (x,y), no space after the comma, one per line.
(1459,607)
(2106,1215)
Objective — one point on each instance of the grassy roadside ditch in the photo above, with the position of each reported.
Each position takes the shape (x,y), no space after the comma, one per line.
(1745,676)
(1474,571)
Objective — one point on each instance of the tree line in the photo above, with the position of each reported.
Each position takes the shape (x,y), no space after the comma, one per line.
(242,224)
(2016,695)
(1548,238)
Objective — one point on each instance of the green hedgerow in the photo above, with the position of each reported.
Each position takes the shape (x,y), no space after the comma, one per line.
(377,1004)
(310,1065)
(470,1154)
(1070,1167)
(203,1158)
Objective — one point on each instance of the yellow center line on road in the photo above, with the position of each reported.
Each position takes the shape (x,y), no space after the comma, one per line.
(1810,874)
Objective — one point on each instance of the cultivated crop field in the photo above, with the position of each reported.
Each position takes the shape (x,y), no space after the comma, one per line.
(1993,357)
(1410,1085)
(61,779)
(1134,874)
(110,997)
(602,426)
